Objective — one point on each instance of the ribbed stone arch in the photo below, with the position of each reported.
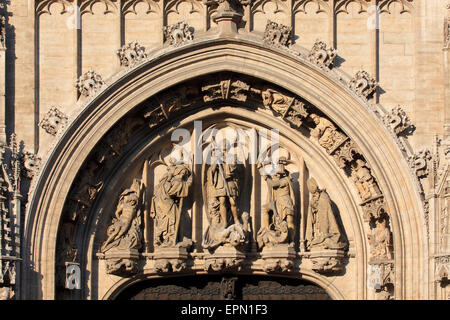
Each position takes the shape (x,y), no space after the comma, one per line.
(169,66)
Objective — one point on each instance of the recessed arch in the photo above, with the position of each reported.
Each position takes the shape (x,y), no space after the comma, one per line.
(168,67)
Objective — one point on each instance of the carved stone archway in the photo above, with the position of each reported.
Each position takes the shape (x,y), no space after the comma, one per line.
(322,89)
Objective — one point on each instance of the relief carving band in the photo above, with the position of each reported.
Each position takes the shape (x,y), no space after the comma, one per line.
(222,187)
(124,235)
(277,215)
(167,205)
(322,231)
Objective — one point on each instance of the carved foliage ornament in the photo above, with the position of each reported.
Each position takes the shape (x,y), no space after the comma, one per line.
(321,54)
(277,34)
(53,121)
(397,120)
(363,84)
(419,163)
(179,33)
(124,235)
(2,31)
(131,54)
(89,83)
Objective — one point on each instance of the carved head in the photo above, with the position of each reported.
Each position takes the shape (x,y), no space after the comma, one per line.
(312,185)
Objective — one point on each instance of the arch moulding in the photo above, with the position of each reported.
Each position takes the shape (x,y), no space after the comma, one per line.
(323,89)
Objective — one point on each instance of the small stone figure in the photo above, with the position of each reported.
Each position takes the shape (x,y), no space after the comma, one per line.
(326,133)
(380,240)
(278,214)
(167,204)
(124,231)
(365,182)
(322,230)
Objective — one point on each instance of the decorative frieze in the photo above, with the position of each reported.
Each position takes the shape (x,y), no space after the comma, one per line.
(53,121)
(278,35)
(322,55)
(178,33)
(89,83)
(363,84)
(131,54)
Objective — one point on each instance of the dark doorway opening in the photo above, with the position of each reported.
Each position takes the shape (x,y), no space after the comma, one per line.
(224,287)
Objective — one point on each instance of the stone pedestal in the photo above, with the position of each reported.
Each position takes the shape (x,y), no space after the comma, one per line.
(170,259)
(382,278)
(278,258)
(122,262)
(327,261)
(225,257)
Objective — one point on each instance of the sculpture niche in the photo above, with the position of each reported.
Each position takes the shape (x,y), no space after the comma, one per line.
(124,235)
(166,211)
(323,236)
(226,235)
(277,232)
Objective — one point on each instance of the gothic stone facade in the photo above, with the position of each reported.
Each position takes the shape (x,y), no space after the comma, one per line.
(94,197)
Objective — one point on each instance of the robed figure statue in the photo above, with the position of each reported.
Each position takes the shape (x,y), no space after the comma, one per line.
(322,229)
(167,204)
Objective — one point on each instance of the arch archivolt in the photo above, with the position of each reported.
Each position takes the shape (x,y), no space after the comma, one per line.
(327,130)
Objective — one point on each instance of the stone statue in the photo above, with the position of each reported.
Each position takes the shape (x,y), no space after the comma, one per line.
(365,182)
(222,187)
(322,230)
(278,214)
(124,232)
(380,240)
(167,204)
(326,133)
(279,102)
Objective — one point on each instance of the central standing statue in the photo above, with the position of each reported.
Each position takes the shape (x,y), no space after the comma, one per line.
(222,187)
